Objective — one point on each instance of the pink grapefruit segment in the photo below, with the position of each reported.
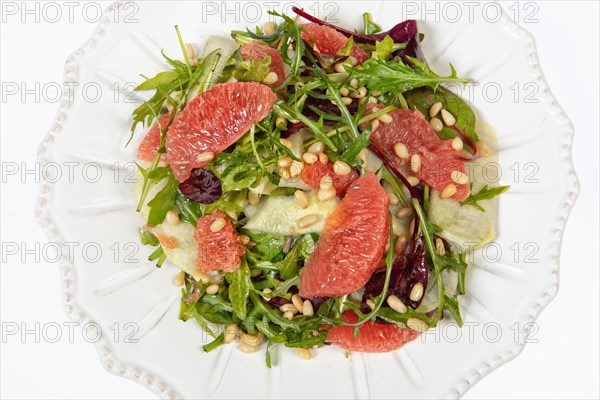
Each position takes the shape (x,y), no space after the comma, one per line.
(149,145)
(328,41)
(213,121)
(259,52)
(313,173)
(372,337)
(352,243)
(438,159)
(221,250)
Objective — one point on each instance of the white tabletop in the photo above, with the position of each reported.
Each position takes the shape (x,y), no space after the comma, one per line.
(564,362)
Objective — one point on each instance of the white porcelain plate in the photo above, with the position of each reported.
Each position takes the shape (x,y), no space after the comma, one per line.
(508,284)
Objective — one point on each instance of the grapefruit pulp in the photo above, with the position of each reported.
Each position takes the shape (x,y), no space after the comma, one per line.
(149,145)
(259,52)
(218,251)
(329,41)
(313,173)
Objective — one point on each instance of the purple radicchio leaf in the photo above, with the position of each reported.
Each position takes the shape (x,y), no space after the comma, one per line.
(201,187)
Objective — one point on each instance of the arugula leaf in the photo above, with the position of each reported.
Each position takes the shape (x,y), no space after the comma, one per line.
(252,70)
(349,155)
(347,49)
(289,266)
(219,341)
(148,238)
(484,194)
(423,98)
(369,26)
(451,304)
(397,77)
(163,201)
(239,288)
(267,246)
(384,49)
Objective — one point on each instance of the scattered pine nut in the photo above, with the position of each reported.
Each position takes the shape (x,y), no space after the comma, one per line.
(448,118)
(483,149)
(180,279)
(252,340)
(316,148)
(354,83)
(304,353)
(353,61)
(288,307)
(396,304)
(286,142)
(411,227)
(374,125)
(271,78)
(323,158)
(205,157)
(376,93)
(360,93)
(404,212)
(435,109)
(417,325)
(416,293)
(246,348)
(190,52)
(326,194)
(386,118)
(413,180)
(436,124)
(457,143)
(370,304)
(308,220)
(339,68)
(393,198)
(439,246)
(296,168)
(341,168)
(301,199)
(401,150)
(415,163)
(310,158)
(459,177)
(231,333)
(269,28)
(285,162)
(297,302)
(245,239)
(307,308)
(448,191)
(362,155)
(281,122)
(200,276)
(217,225)
(253,198)
(326,182)
(344,91)
(212,289)
(288,315)
(400,244)
(347,101)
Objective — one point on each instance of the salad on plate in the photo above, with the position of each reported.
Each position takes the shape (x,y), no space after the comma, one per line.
(315,186)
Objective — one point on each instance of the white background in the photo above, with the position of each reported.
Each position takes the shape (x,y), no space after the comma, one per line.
(563,364)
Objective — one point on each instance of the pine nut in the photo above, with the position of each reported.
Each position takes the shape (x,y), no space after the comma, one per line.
(281,122)
(308,220)
(326,182)
(411,227)
(393,198)
(205,157)
(246,348)
(288,315)
(180,279)
(253,198)
(362,155)
(323,158)
(354,83)
(415,163)
(286,142)
(288,307)
(416,293)
(413,180)
(404,212)
(373,100)
(316,148)
(417,325)
(245,239)
(307,308)
(370,304)
(439,246)
(326,194)
(231,333)
(297,302)
(200,276)
(457,143)
(376,93)
(436,124)
(271,78)
(400,244)
(301,198)
(448,191)
(172,217)
(304,353)
(448,118)
(252,340)
(483,149)
(386,118)
(298,85)
(360,93)
(310,158)
(284,173)
(459,177)
(266,291)
(285,162)
(401,150)
(340,68)
(341,168)
(296,168)
(435,109)
(269,28)
(353,61)
(374,125)
(233,215)
(212,289)
(347,101)
(190,52)
(344,91)
(396,304)
(217,225)
(255,272)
